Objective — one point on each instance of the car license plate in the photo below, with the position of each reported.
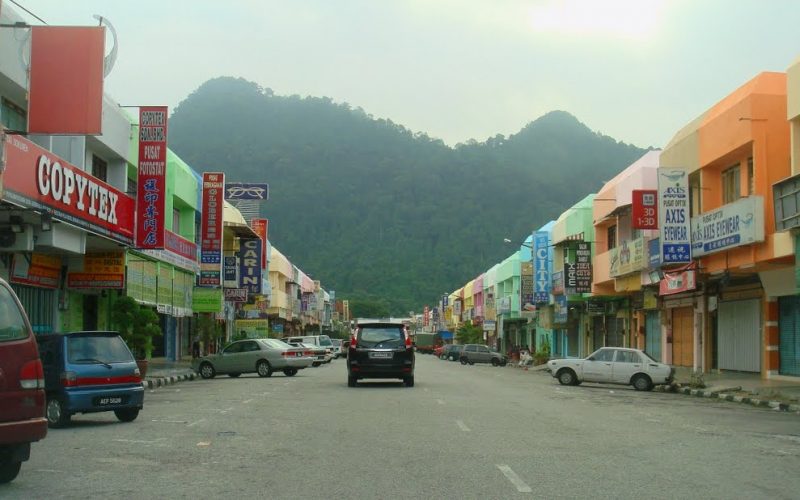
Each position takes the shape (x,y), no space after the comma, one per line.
(109,401)
(380,355)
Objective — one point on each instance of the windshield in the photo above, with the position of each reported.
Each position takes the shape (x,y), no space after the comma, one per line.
(12,326)
(97,350)
(325,340)
(370,336)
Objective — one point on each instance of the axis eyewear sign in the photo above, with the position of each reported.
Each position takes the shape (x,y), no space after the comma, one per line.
(732,225)
(673,216)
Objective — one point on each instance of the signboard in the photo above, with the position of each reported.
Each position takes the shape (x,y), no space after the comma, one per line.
(673,283)
(732,225)
(489,325)
(595,307)
(260,227)
(253,328)
(246,191)
(560,309)
(673,215)
(104,270)
(207,300)
(645,209)
(177,250)
(526,283)
(654,253)
(628,257)
(152,181)
(583,268)
(503,305)
(65,94)
(41,270)
(211,229)
(231,276)
(235,294)
(35,178)
(542,266)
(558,283)
(250,264)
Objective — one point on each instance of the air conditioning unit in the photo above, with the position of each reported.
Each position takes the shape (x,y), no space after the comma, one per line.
(16,242)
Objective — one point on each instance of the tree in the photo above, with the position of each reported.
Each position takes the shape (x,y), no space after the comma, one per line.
(469,334)
(209,329)
(137,325)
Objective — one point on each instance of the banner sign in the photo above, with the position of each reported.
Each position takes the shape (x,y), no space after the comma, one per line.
(629,257)
(654,253)
(260,227)
(595,307)
(526,283)
(729,226)
(177,251)
(542,266)
(645,209)
(489,325)
(558,283)
(41,270)
(583,268)
(211,229)
(65,94)
(253,328)
(35,178)
(104,270)
(673,216)
(152,181)
(560,309)
(246,191)
(250,264)
(207,300)
(235,294)
(676,283)
(230,274)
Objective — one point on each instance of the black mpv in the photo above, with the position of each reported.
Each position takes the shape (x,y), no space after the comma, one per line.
(380,349)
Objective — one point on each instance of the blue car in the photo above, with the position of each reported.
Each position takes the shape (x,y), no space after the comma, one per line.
(87,372)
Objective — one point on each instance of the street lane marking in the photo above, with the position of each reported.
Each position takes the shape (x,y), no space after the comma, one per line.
(204,444)
(440,401)
(461,425)
(170,421)
(140,441)
(514,478)
(195,423)
(247,401)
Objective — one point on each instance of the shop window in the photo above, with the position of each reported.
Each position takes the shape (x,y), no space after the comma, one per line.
(176,221)
(751,177)
(730,184)
(99,168)
(12,116)
(695,194)
(612,237)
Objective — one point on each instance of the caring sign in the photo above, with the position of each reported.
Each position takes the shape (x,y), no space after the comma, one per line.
(152,180)
(250,265)
(673,216)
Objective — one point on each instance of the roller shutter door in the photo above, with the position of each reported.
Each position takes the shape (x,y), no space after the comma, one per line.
(789,325)
(739,335)
(653,335)
(683,336)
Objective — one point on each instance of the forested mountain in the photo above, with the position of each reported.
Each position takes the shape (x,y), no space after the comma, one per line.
(376,211)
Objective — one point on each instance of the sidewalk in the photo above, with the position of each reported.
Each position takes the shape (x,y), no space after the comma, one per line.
(161,372)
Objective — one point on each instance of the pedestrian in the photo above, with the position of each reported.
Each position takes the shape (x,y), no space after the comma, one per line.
(196,348)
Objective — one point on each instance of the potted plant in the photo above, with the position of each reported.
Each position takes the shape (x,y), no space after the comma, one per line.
(137,325)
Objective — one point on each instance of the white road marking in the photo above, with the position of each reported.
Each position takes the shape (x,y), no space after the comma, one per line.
(196,422)
(247,401)
(440,401)
(170,421)
(514,478)
(425,389)
(204,443)
(461,425)
(140,441)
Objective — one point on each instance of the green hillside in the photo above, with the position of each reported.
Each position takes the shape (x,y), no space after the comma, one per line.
(378,212)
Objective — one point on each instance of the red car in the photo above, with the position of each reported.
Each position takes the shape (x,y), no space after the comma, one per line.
(22,399)
(438,351)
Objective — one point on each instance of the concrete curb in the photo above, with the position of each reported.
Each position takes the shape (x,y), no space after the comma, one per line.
(154,383)
(724,395)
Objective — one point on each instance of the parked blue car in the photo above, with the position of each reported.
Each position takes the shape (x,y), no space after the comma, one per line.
(87,372)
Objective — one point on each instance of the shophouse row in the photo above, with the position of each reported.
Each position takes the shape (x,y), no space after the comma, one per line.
(591,278)
(67,212)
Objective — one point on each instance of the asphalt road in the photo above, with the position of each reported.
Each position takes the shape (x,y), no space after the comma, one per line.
(462,432)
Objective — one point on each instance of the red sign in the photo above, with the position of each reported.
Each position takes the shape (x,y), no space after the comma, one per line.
(35,178)
(152,183)
(180,245)
(235,294)
(260,227)
(211,229)
(645,209)
(93,280)
(40,270)
(66,80)
(677,282)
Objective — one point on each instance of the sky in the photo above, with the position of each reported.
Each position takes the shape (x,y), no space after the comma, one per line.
(636,70)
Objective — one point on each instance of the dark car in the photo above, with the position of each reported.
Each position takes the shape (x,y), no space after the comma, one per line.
(88,372)
(380,350)
(451,352)
(21,386)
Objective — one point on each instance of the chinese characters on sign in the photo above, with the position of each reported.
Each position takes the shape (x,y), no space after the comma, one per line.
(673,216)
(645,209)
(731,225)
(151,195)
(211,229)
(583,268)
(260,227)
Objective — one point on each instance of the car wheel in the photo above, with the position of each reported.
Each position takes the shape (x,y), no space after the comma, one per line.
(352,381)
(127,414)
(567,377)
(409,381)
(452,357)
(234,375)
(263,368)
(9,470)
(207,371)
(290,372)
(315,364)
(56,415)
(495,362)
(503,363)
(463,361)
(642,383)
(470,362)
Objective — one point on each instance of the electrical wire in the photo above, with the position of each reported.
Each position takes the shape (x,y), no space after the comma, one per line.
(29,12)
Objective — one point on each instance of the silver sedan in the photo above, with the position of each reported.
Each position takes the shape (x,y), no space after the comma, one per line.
(262,356)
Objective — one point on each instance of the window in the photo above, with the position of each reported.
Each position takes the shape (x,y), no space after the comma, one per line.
(234,348)
(470,348)
(751,179)
(730,185)
(695,194)
(99,168)
(628,357)
(612,237)
(604,355)
(133,187)
(97,350)
(176,221)
(483,348)
(12,116)
(12,326)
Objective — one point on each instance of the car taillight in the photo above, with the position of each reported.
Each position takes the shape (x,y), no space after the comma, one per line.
(138,374)
(31,376)
(69,379)
(408,342)
(308,353)
(288,354)
(353,342)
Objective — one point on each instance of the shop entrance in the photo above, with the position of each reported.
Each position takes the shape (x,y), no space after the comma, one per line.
(90,312)
(683,336)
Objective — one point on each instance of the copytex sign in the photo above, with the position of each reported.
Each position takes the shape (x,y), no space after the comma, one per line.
(211,229)
(542,266)
(152,181)
(37,179)
(732,225)
(673,216)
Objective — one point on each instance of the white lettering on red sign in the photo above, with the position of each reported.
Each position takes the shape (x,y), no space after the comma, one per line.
(60,184)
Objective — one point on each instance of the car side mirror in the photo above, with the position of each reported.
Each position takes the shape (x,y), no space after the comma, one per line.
(590,358)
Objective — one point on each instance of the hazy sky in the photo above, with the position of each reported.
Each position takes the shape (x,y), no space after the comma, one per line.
(636,70)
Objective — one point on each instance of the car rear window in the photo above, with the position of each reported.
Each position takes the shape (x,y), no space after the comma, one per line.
(97,349)
(325,340)
(373,335)
(276,344)
(12,326)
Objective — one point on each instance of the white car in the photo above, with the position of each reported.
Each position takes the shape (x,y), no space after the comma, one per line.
(613,365)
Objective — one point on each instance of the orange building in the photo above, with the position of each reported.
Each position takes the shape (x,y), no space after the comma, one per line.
(733,154)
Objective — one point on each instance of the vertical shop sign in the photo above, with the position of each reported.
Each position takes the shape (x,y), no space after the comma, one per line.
(645,209)
(250,265)
(211,229)
(583,268)
(542,264)
(526,285)
(152,181)
(260,227)
(673,216)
